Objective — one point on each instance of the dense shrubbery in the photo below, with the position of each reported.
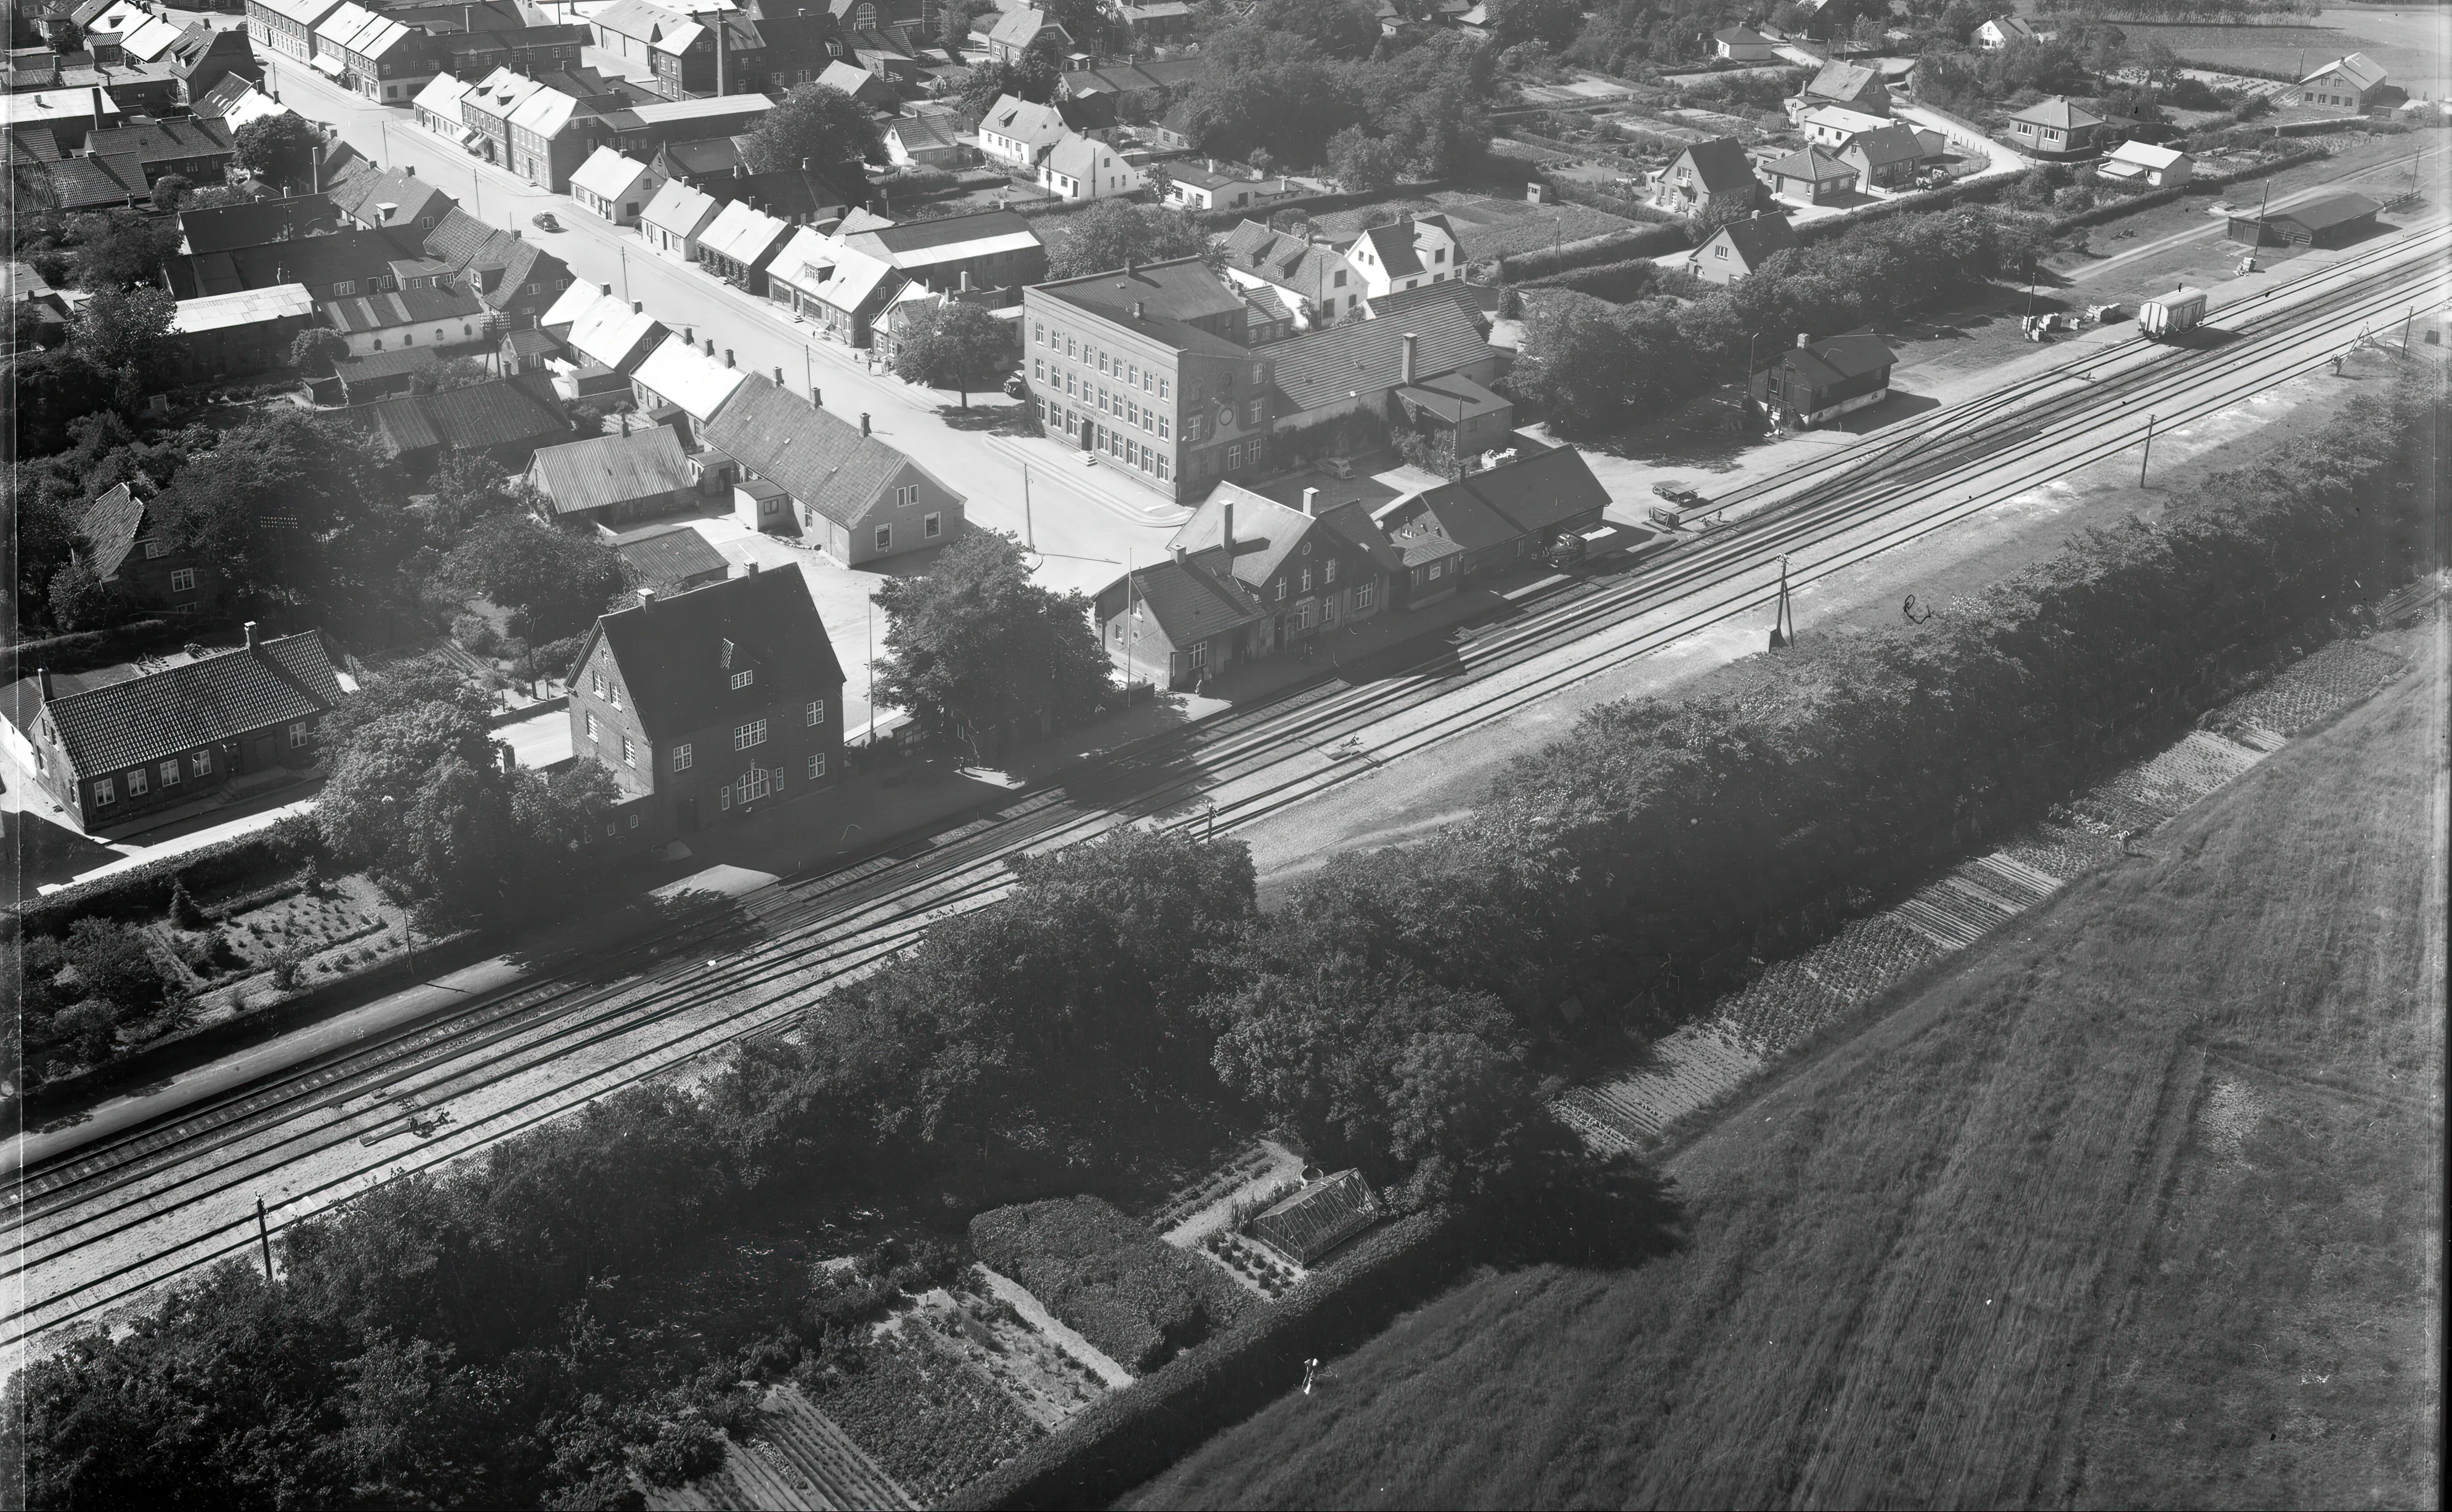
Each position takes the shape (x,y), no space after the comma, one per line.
(1138,1299)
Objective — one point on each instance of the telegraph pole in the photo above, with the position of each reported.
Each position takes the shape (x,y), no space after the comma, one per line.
(1029,533)
(2148,455)
(1783,617)
(264,1237)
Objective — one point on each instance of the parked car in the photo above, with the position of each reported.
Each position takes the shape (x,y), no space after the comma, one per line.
(543,220)
(1012,387)
(1678,494)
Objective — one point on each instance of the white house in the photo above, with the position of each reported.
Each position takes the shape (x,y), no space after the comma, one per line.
(1999,33)
(438,108)
(613,186)
(2148,165)
(1017,132)
(679,374)
(1742,45)
(1835,125)
(1206,186)
(676,218)
(1083,168)
(2348,83)
(1413,252)
(441,317)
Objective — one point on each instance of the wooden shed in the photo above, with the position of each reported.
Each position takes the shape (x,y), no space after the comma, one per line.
(2337,220)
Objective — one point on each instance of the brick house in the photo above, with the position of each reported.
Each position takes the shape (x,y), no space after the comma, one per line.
(117,543)
(112,753)
(1246,577)
(708,705)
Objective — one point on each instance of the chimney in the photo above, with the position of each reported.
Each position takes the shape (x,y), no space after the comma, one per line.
(511,758)
(752,566)
(779,375)
(804,164)
(1803,340)
(1226,530)
(1405,371)
(966,280)
(738,170)
(818,398)
(1139,309)
(410,169)
(604,291)
(467,18)
(1311,500)
(43,677)
(646,598)
(710,347)
(727,357)
(1128,267)
(863,422)
(252,643)
(638,307)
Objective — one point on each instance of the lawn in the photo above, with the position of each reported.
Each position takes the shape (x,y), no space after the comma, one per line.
(2136,1205)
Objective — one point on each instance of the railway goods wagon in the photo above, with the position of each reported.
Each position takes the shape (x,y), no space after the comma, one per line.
(2173,314)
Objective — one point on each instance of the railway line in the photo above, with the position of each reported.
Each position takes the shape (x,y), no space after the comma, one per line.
(104,1222)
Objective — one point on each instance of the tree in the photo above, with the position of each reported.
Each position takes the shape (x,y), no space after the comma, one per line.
(126,330)
(1555,24)
(420,800)
(432,679)
(954,35)
(279,149)
(293,508)
(974,648)
(171,192)
(954,346)
(1594,367)
(79,600)
(1361,162)
(822,126)
(213,196)
(468,489)
(1114,232)
(1341,29)
(554,581)
(120,248)
(1723,209)
(316,349)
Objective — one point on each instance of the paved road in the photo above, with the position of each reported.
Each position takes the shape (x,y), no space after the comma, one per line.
(1082,527)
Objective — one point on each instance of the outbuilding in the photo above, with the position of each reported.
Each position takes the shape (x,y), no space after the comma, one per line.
(1816,382)
(2337,220)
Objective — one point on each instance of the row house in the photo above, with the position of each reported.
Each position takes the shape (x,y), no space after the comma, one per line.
(551,134)
(287,27)
(685,381)
(439,109)
(614,188)
(675,219)
(603,331)
(840,289)
(1306,277)
(435,317)
(738,244)
(769,54)
(113,754)
(202,58)
(524,49)
(1246,577)
(199,151)
(379,198)
(827,483)
(487,110)
(375,55)
(708,705)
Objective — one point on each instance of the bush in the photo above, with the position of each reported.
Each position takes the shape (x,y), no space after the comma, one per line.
(1132,1295)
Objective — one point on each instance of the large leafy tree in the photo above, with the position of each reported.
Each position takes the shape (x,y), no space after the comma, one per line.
(975,649)
(279,149)
(820,125)
(120,248)
(1114,232)
(954,346)
(1555,24)
(1341,29)
(126,330)
(554,581)
(294,509)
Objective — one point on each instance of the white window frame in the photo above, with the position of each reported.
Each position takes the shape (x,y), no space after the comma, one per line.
(105,792)
(204,762)
(297,736)
(814,712)
(183,580)
(744,679)
(884,538)
(745,736)
(683,758)
(817,766)
(170,773)
(629,752)
(139,782)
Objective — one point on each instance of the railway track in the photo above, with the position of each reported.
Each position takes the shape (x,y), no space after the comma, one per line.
(805,937)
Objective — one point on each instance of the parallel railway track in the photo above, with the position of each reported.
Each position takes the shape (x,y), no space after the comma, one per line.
(818,932)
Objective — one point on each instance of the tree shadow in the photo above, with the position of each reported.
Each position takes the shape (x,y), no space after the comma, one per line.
(46,851)
(999,417)
(1585,1212)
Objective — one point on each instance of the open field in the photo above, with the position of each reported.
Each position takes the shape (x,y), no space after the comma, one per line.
(2414,44)
(2139,1204)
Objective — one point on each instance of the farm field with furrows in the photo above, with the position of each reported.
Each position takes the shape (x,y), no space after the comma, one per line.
(2112,1211)
(2412,43)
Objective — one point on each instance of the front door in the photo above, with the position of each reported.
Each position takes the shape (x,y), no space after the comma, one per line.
(262,752)
(686,815)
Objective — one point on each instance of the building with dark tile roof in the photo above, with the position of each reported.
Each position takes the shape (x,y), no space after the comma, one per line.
(197,150)
(709,705)
(1496,518)
(218,229)
(117,541)
(507,418)
(386,374)
(848,493)
(1740,247)
(115,752)
(671,560)
(1814,382)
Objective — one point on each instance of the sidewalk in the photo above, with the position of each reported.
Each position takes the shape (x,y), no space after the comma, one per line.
(1057,458)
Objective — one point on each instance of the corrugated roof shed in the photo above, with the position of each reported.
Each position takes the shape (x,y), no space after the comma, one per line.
(216,312)
(603,471)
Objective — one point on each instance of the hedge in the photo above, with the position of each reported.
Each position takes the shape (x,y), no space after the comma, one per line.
(1618,282)
(1610,246)
(1135,1296)
(145,889)
(1132,1435)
